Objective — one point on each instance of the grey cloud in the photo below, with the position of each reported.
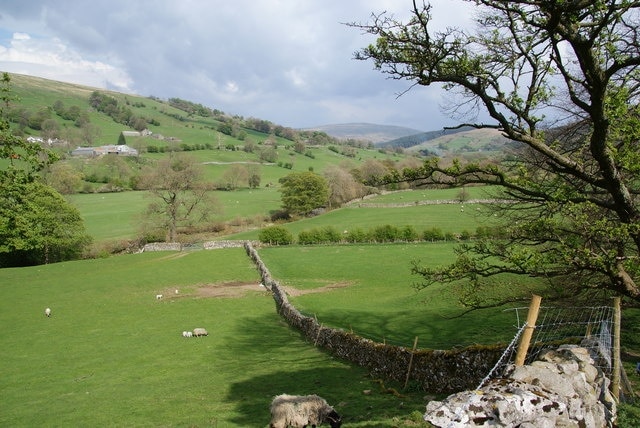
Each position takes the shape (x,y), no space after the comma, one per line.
(286,61)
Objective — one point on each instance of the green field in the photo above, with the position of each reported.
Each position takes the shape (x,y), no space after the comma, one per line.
(113,355)
(372,294)
(110,216)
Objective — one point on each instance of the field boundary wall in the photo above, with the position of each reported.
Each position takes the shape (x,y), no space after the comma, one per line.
(436,371)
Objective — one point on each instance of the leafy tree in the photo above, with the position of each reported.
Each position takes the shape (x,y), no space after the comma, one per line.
(36,224)
(302,192)
(64,178)
(342,186)
(561,79)
(181,196)
(235,176)
(275,235)
(269,154)
(254,176)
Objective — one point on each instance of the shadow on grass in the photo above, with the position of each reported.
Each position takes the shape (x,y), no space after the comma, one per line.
(294,366)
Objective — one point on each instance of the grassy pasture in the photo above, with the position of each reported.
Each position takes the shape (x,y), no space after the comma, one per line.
(109,216)
(447,217)
(373,294)
(114,215)
(113,355)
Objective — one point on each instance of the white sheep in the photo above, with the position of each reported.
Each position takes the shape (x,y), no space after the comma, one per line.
(200,332)
(47,312)
(158,296)
(299,411)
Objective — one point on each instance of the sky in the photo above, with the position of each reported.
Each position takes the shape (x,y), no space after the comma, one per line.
(287,61)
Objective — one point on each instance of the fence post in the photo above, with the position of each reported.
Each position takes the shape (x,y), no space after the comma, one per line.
(617,318)
(532,317)
(415,346)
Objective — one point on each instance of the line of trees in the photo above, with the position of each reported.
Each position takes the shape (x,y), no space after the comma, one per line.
(279,235)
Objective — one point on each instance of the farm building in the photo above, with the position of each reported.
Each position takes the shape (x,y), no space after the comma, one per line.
(122,150)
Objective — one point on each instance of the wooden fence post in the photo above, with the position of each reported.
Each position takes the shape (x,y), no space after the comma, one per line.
(415,346)
(617,318)
(532,317)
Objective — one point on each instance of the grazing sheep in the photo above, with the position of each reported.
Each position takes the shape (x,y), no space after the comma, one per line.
(47,312)
(158,296)
(200,332)
(299,411)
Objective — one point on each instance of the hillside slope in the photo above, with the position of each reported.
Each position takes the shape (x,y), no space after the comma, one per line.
(374,133)
(486,141)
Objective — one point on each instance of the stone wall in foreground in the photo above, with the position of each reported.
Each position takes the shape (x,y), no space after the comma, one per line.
(562,389)
(432,370)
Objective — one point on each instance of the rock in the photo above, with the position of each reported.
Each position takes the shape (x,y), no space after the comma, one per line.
(563,389)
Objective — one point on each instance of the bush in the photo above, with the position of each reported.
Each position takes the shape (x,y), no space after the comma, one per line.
(280,215)
(357,235)
(306,237)
(408,234)
(386,233)
(433,234)
(275,235)
(324,235)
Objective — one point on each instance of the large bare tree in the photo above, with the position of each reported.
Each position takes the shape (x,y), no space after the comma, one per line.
(182,197)
(561,79)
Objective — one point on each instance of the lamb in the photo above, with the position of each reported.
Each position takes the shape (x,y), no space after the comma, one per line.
(158,296)
(47,312)
(299,411)
(200,332)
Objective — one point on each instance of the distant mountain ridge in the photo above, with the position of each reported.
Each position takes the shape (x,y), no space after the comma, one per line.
(375,133)
(456,142)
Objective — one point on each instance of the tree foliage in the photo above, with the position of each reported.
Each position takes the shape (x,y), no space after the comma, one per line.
(182,198)
(37,225)
(302,192)
(561,79)
(275,235)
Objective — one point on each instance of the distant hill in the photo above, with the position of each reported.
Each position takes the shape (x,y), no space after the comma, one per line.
(377,134)
(465,141)
(422,138)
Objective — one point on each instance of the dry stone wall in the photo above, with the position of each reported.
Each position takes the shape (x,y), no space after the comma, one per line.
(562,389)
(162,246)
(432,370)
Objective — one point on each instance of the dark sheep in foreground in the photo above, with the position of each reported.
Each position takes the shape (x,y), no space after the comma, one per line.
(300,411)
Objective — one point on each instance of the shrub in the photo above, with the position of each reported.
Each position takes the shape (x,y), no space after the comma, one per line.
(280,215)
(323,235)
(357,235)
(433,234)
(306,237)
(408,234)
(275,235)
(386,233)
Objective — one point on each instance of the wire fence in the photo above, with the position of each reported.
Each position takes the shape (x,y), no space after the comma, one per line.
(589,327)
